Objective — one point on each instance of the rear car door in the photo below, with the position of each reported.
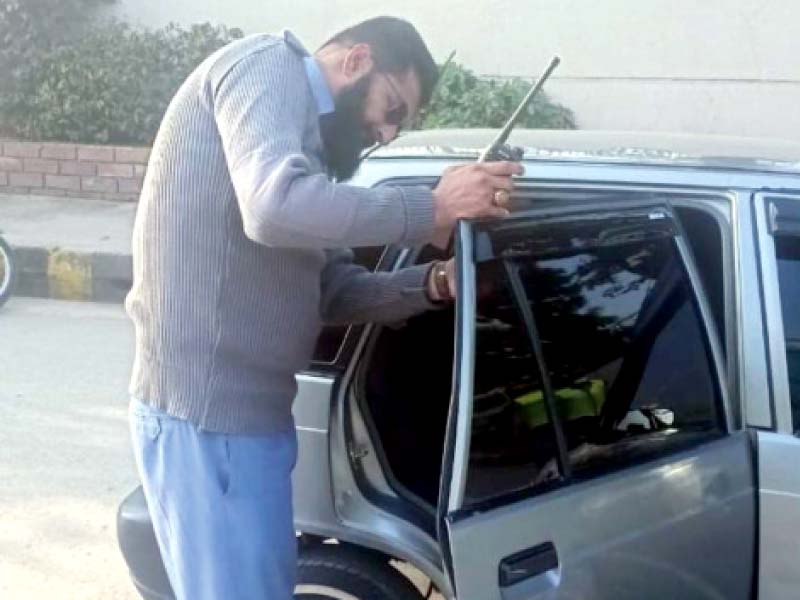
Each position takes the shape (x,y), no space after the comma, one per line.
(778,232)
(591,449)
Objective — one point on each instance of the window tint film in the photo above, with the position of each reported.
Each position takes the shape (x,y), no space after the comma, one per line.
(512,436)
(787,249)
(704,236)
(630,371)
(621,323)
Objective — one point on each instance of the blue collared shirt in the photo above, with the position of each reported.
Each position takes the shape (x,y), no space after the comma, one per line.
(319,86)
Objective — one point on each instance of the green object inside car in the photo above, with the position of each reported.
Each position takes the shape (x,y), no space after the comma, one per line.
(582,400)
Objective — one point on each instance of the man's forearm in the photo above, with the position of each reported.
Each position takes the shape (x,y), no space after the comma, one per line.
(283,204)
(352,294)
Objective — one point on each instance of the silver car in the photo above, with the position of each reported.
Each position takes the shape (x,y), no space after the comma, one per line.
(608,411)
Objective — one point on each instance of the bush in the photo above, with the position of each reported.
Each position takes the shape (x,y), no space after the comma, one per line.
(110,86)
(29,28)
(113,83)
(463,99)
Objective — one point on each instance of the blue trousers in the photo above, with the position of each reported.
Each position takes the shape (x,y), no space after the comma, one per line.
(221,507)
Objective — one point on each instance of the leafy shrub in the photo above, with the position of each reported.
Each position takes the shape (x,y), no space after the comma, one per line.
(29,28)
(110,86)
(463,99)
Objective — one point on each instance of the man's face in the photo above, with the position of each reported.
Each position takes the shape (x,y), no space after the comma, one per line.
(392,103)
(371,110)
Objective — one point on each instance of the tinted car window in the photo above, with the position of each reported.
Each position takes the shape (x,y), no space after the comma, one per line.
(788,255)
(512,439)
(705,239)
(627,356)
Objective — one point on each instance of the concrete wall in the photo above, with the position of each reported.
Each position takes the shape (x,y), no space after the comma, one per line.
(710,66)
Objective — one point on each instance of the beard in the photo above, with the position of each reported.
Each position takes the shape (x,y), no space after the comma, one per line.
(344,133)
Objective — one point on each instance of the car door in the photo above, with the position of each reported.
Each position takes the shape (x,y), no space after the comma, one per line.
(591,451)
(778,233)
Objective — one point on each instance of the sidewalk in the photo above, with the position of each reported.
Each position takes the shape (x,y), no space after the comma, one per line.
(69,248)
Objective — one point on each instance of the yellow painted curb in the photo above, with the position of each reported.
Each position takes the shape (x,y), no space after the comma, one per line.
(69,275)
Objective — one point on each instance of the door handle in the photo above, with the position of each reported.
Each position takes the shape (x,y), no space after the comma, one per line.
(528,563)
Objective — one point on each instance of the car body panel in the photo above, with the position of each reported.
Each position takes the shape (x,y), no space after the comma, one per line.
(137,542)
(311,479)
(681,527)
(779,515)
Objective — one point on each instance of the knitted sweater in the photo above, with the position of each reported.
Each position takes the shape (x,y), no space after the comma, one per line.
(237,243)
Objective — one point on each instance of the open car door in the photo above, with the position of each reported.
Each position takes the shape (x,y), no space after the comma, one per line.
(591,451)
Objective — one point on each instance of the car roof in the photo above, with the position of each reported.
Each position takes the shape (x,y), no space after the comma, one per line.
(645,148)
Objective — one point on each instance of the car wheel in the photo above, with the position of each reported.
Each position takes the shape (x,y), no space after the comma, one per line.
(331,572)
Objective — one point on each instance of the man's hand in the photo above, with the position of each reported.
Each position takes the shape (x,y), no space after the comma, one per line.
(468,191)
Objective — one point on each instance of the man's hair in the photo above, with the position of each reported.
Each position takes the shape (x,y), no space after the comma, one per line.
(396,46)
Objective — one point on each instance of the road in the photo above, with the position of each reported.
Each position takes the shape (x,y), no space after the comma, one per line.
(65,458)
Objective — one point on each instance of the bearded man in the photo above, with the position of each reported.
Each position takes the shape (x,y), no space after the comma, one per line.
(240,253)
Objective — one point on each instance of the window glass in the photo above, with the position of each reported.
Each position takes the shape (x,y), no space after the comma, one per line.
(625,350)
(788,254)
(705,239)
(512,437)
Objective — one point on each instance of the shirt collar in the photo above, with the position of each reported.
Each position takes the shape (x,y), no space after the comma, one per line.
(319,87)
(294,42)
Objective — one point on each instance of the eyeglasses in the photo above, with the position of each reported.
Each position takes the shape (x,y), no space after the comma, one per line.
(396,116)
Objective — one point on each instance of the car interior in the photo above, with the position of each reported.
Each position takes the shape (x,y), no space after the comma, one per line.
(603,340)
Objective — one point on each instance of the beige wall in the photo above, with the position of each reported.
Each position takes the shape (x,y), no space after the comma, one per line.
(711,66)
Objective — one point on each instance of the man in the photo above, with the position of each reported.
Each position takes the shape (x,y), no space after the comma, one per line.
(238,261)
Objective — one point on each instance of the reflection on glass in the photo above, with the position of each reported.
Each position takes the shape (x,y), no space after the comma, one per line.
(626,352)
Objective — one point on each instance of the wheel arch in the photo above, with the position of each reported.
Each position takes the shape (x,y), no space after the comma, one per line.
(372,544)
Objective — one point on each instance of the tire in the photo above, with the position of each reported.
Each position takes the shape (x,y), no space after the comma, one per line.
(331,572)
(8,271)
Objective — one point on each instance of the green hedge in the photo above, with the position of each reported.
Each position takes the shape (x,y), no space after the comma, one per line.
(463,99)
(30,28)
(110,86)
(114,82)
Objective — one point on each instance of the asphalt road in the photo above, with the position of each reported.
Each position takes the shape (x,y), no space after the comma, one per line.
(65,458)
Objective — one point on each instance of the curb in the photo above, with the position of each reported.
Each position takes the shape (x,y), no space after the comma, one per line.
(68,275)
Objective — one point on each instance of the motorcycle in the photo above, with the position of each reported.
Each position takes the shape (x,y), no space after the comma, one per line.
(8,271)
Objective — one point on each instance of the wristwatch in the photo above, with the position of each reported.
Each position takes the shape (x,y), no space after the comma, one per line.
(440,281)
